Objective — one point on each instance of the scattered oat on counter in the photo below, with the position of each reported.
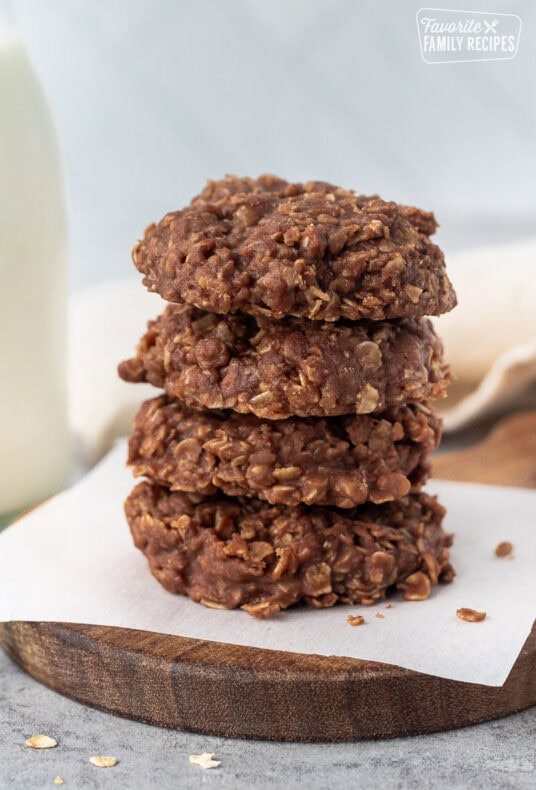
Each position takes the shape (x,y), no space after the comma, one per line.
(504,549)
(355,619)
(470,615)
(389,606)
(204,760)
(41,742)
(103,762)
(379,615)
(58,781)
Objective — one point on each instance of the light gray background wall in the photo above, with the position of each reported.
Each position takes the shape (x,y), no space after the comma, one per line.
(151,97)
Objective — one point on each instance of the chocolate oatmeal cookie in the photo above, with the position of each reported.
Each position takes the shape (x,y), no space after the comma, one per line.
(277,369)
(273,248)
(226,552)
(339,461)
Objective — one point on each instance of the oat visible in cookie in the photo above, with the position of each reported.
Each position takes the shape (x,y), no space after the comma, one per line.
(339,461)
(278,369)
(239,552)
(312,250)
(416,587)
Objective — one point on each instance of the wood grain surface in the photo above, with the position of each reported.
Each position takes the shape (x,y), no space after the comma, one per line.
(506,457)
(222,689)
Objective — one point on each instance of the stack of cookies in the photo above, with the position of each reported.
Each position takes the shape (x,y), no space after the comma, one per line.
(286,459)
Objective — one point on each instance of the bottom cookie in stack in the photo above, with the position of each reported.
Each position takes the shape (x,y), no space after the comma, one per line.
(227,552)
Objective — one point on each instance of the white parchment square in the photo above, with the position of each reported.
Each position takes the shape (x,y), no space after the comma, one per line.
(73,560)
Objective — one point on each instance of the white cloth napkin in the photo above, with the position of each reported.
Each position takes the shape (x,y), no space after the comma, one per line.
(490,337)
(105,323)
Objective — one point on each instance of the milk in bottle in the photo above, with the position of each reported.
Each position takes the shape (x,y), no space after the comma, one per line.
(34,439)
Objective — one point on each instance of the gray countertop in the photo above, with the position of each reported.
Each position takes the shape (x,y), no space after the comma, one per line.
(499,754)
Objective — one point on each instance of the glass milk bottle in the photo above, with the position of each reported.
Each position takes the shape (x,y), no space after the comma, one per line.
(34,438)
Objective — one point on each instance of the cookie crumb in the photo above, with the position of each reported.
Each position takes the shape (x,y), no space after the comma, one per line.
(470,615)
(41,742)
(355,619)
(389,606)
(204,760)
(103,762)
(58,781)
(504,549)
(379,615)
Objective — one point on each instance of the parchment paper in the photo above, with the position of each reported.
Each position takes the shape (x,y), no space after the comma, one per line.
(72,560)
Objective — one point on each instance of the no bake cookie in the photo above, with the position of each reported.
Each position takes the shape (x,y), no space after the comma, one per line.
(274,248)
(228,553)
(293,367)
(339,461)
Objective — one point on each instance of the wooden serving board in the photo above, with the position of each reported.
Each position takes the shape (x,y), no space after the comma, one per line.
(222,689)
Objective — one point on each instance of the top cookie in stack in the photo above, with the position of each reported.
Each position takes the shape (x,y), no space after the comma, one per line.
(301,305)
(270,248)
